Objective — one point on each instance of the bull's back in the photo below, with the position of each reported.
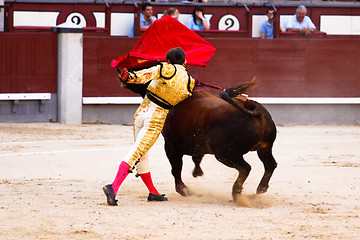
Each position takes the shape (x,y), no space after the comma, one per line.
(204,123)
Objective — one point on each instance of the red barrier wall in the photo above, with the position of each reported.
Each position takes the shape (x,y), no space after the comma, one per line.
(100,79)
(28,63)
(283,67)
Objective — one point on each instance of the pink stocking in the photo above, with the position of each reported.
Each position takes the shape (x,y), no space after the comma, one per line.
(120,176)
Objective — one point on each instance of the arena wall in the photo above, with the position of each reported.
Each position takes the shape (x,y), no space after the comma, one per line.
(300,79)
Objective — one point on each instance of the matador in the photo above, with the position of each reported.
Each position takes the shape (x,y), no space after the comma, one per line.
(170,84)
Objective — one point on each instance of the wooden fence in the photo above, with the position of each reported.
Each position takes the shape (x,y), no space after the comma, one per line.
(283,67)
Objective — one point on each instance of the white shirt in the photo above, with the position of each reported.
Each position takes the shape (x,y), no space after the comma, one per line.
(294,23)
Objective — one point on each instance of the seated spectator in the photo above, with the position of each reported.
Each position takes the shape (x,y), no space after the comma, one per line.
(174,12)
(198,21)
(146,17)
(300,22)
(267,28)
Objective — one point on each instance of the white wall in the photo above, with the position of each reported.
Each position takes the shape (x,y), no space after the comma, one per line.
(48,18)
(100,19)
(2,16)
(338,24)
(259,19)
(122,24)
(33,18)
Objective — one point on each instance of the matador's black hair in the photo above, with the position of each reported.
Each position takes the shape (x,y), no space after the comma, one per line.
(176,56)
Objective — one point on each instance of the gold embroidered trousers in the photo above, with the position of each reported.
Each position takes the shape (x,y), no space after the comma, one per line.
(148,123)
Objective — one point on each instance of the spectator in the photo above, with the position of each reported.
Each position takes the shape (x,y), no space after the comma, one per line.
(146,17)
(267,28)
(174,12)
(300,22)
(198,21)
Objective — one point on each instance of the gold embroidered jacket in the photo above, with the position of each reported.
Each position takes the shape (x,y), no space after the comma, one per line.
(170,83)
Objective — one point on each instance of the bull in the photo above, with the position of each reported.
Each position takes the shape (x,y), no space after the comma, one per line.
(219,123)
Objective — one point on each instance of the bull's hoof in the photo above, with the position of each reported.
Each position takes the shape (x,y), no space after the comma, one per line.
(242,200)
(197,172)
(182,190)
(236,196)
(236,191)
(261,190)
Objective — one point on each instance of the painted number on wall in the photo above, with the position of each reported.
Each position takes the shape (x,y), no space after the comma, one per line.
(229,22)
(76,18)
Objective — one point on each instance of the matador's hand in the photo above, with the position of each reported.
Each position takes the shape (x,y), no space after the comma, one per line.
(124,74)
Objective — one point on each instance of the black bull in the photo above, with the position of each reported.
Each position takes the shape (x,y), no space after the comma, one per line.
(219,123)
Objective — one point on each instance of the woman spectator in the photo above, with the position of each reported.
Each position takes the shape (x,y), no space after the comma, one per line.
(173,12)
(198,21)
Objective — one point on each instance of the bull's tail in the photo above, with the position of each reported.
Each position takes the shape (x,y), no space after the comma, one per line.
(242,88)
(229,93)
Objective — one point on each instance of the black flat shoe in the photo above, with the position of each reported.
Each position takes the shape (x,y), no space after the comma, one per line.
(110,196)
(159,198)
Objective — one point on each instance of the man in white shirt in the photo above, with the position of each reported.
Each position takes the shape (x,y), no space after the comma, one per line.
(300,22)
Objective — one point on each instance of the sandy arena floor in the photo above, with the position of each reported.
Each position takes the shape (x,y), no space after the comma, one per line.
(51,179)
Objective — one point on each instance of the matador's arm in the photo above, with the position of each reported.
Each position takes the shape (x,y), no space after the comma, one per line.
(145,75)
(162,71)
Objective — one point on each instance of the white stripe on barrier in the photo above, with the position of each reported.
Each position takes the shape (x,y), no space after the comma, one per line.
(263,100)
(70,151)
(324,100)
(60,141)
(62,151)
(25,96)
(112,100)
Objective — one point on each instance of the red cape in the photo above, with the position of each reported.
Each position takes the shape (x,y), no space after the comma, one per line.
(161,36)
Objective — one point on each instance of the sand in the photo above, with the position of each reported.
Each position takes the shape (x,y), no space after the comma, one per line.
(51,179)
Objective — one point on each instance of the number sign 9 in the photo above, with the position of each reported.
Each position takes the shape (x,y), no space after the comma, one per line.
(229,22)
